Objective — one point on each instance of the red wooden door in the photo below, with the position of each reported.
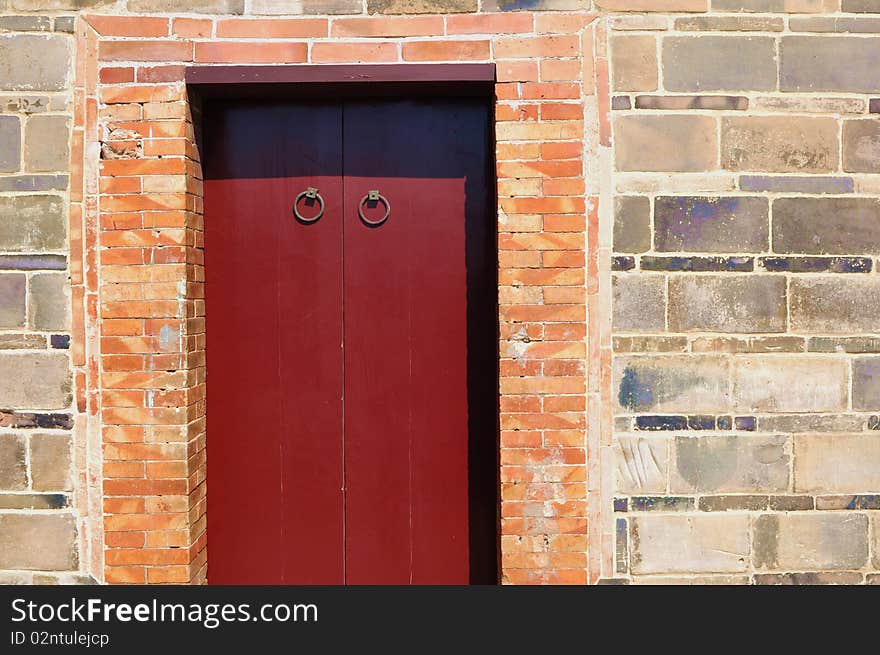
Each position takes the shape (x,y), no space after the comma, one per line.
(351,431)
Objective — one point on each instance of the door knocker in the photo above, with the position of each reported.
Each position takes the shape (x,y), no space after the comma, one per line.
(374,196)
(312,194)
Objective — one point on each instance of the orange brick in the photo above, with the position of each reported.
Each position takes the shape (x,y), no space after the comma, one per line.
(173,73)
(516,71)
(121,185)
(271,28)
(562,150)
(446,50)
(561,23)
(116,74)
(490,23)
(124,539)
(549,90)
(146,51)
(561,111)
(387,26)
(244,52)
(564,223)
(565,186)
(536,46)
(192,27)
(164,166)
(128,25)
(168,575)
(348,52)
(141,93)
(560,70)
(125,574)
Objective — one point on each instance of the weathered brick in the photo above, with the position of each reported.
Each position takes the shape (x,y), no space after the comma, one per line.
(22,341)
(866,385)
(668,383)
(192,6)
(779,144)
(827,226)
(665,143)
(836,24)
(726,103)
(638,303)
(314,7)
(810,578)
(817,264)
(733,503)
(711,224)
(811,541)
(34,183)
(810,423)
(632,224)
(720,303)
(796,184)
(772,383)
(844,344)
(836,463)
(58,5)
(689,544)
(813,63)
(420,6)
(26,23)
(777,6)
(861,146)
(50,462)
(10,144)
(834,305)
(649,344)
(534,5)
(810,104)
(42,542)
(12,300)
(49,302)
(729,463)
(34,61)
(634,63)
(32,223)
(46,143)
(39,381)
(861,6)
(730,24)
(697,263)
(13,462)
(703,63)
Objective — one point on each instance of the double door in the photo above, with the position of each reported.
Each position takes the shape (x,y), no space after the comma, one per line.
(350,342)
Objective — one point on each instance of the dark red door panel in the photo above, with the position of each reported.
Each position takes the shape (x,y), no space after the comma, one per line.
(274,325)
(406,349)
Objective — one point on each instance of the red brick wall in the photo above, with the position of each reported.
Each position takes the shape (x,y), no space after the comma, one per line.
(137,235)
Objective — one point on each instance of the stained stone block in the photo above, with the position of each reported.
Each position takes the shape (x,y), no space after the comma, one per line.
(836,463)
(711,224)
(834,305)
(50,462)
(34,61)
(47,143)
(829,63)
(641,464)
(827,226)
(634,63)
(704,63)
(424,6)
(639,303)
(812,541)
(279,7)
(10,144)
(729,463)
(772,383)
(781,144)
(721,303)
(13,462)
(711,543)
(38,542)
(670,383)
(866,386)
(49,303)
(861,146)
(12,300)
(632,224)
(34,381)
(32,223)
(665,143)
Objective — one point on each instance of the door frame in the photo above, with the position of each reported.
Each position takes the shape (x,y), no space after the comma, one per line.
(207,85)
(137,343)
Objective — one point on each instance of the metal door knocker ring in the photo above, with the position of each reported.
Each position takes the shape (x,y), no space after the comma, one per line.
(312,194)
(375,196)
